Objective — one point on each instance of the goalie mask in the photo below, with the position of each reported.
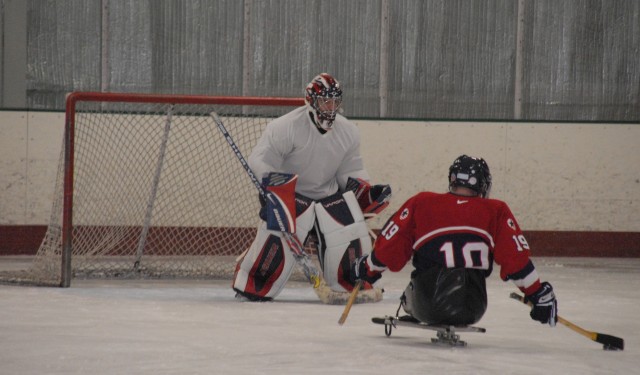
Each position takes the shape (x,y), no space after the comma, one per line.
(323,97)
(472,173)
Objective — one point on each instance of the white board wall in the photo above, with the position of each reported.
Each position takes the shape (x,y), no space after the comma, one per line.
(564,177)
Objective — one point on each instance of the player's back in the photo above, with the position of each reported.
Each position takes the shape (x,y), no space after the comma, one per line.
(454,231)
(443,210)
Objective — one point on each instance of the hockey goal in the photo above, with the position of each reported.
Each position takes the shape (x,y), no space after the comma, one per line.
(148,187)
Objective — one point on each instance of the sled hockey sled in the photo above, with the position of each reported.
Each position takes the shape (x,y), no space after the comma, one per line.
(446,334)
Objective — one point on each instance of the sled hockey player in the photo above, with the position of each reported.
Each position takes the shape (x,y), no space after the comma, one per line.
(310,166)
(453,239)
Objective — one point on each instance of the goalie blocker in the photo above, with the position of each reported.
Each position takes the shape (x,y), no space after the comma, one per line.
(342,234)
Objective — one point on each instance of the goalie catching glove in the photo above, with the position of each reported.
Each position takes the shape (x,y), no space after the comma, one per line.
(544,307)
(366,268)
(372,199)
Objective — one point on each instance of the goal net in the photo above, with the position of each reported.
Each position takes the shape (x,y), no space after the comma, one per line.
(148,187)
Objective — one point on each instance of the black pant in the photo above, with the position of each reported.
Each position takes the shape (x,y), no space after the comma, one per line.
(451,296)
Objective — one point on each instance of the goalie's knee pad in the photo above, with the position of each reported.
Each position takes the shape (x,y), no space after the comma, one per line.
(344,236)
(452,296)
(263,271)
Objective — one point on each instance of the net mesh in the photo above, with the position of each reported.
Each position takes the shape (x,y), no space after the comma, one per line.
(158,192)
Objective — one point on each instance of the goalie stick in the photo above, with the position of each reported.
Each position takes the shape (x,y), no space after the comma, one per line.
(608,342)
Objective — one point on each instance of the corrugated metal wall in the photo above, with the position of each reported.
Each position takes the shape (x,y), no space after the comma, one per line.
(575,60)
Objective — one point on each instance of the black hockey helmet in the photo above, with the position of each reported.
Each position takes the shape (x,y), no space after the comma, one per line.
(472,173)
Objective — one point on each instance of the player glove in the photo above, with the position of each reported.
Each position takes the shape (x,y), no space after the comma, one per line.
(544,305)
(363,269)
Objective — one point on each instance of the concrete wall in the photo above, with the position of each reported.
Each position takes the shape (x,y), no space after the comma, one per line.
(555,177)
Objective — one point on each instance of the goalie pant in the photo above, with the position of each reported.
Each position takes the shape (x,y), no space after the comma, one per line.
(343,236)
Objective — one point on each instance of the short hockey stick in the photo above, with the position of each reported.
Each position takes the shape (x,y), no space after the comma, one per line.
(352,299)
(608,342)
(359,283)
(309,269)
(371,232)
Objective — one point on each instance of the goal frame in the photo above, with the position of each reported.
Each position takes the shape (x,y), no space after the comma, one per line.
(74,98)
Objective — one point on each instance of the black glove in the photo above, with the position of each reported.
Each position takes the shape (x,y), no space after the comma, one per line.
(544,305)
(361,270)
(380,193)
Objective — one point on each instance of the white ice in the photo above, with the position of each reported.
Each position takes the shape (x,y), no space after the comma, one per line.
(197,327)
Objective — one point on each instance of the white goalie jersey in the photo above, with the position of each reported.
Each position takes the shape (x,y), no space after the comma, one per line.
(323,162)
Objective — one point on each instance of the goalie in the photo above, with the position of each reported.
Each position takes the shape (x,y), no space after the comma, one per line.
(310,165)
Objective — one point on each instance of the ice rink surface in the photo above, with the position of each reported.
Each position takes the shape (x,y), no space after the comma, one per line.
(197,327)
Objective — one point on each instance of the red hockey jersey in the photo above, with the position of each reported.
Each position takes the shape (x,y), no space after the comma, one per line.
(457,231)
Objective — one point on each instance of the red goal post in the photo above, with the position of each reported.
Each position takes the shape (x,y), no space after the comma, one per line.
(148,188)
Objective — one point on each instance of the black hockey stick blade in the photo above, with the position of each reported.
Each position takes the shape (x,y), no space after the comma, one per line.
(608,342)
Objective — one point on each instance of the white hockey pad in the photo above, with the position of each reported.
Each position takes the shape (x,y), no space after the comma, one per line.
(346,237)
(265,268)
(306,216)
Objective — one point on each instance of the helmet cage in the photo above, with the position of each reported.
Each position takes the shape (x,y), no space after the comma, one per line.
(323,98)
(472,173)
(326,107)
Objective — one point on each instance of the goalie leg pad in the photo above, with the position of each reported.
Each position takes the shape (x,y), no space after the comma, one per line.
(345,237)
(263,271)
(305,216)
